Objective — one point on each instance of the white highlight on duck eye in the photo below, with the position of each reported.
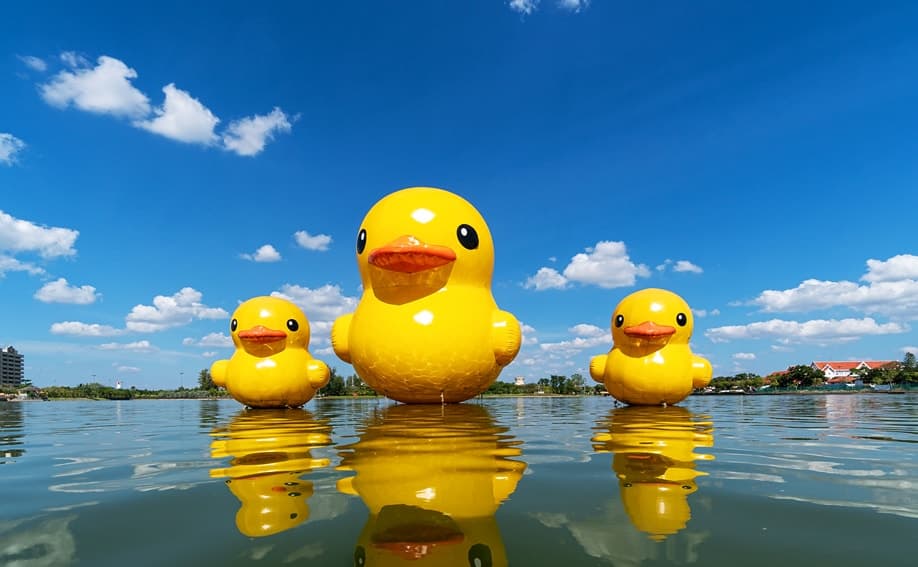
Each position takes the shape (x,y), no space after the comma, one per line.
(427,494)
(422,215)
(424,317)
(266,363)
(264,313)
(656,307)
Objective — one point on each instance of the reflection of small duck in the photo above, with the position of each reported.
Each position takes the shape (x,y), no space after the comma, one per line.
(654,460)
(270,451)
(427,328)
(271,366)
(651,362)
(433,478)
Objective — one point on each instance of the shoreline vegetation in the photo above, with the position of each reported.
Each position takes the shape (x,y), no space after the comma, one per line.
(796,380)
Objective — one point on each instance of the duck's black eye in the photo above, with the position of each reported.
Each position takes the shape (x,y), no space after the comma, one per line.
(233,324)
(361,240)
(468,238)
(480,556)
(681,319)
(292,325)
(619,320)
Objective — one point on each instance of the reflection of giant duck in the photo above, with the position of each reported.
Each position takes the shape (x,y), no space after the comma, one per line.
(271,366)
(427,328)
(651,362)
(432,479)
(654,461)
(270,451)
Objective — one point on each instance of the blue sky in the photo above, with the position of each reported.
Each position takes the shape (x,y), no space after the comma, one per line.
(161,163)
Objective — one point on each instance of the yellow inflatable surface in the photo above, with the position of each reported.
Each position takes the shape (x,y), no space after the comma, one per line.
(269,452)
(271,367)
(654,459)
(427,329)
(650,362)
(433,478)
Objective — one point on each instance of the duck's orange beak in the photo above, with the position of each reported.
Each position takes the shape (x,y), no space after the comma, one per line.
(261,334)
(407,254)
(649,330)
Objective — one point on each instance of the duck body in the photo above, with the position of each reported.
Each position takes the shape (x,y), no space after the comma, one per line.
(272,367)
(427,328)
(651,362)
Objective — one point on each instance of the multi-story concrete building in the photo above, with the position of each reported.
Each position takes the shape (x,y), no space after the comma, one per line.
(11,368)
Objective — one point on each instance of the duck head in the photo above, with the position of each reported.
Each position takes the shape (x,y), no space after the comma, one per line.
(650,319)
(264,326)
(416,241)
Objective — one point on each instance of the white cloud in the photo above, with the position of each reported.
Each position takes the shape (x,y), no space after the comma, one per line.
(23,236)
(700,313)
(573,5)
(266,253)
(127,369)
(606,265)
(74,59)
(248,136)
(209,354)
(546,278)
(818,330)
(171,311)
(524,6)
(10,264)
(529,334)
(34,63)
(84,329)
(312,242)
(210,340)
(901,267)
(585,336)
(104,89)
(744,356)
(10,145)
(686,266)
(136,346)
(182,118)
(59,291)
(325,303)
(911,349)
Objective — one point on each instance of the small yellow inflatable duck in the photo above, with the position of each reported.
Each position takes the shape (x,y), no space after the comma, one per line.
(427,328)
(654,459)
(650,362)
(270,452)
(433,479)
(271,367)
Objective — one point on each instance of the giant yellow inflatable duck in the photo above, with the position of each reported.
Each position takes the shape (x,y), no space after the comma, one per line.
(433,478)
(270,451)
(427,328)
(654,459)
(271,367)
(650,362)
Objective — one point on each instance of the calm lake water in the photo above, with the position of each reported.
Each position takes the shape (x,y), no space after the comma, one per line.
(719,480)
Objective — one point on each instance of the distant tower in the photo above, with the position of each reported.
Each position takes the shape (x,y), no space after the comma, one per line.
(118,384)
(519,381)
(11,367)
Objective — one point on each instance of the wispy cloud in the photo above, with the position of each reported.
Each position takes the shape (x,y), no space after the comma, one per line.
(606,265)
(10,147)
(34,63)
(312,242)
(79,329)
(136,346)
(815,331)
(107,88)
(892,290)
(175,310)
(248,136)
(59,291)
(744,356)
(266,253)
(182,118)
(210,340)
(529,6)
(18,235)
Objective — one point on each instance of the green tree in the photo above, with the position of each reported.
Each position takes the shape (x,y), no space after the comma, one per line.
(336,385)
(802,376)
(205,381)
(576,384)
